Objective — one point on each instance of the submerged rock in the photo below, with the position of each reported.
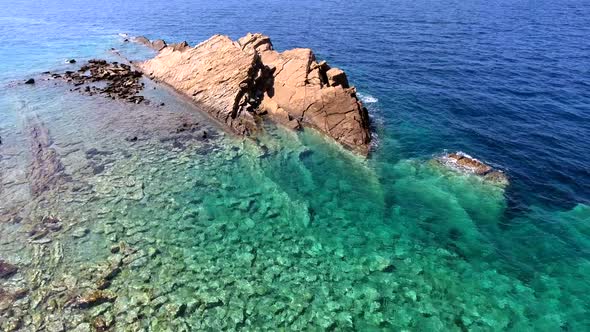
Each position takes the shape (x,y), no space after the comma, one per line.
(99,324)
(7,270)
(239,82)
(45,169)
(95,297)
(30,81)
(47,225)
(465,163)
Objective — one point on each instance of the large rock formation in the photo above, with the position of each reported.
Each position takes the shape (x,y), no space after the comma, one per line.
(244,81)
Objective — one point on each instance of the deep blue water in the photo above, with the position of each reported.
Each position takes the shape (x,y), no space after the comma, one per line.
(505,81)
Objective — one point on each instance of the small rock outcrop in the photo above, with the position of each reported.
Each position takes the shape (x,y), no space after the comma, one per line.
(95,297)
(121,80)
(465,163)
(157,44)
(240,82)
(7,269)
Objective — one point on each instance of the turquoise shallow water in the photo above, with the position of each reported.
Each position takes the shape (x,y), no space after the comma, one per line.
(290,231)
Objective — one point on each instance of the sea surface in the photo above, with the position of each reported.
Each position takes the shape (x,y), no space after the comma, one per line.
(290,231)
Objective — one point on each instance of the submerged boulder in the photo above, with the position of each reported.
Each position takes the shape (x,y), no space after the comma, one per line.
(239,82)
(7,269)
(95,297)
(465,163)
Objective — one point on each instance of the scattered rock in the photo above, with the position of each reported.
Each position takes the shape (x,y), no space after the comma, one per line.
(159,302)
(100,324)
(175,310)
(158,44)
(180,47)
(7,270)
(389,268)
(41,241)
(47,225)
(83,327)
(55,326)
(30,81)
(307,153)
(122,82)
(97,169)
(152,252)
(115,248)
(80,232)
(497,177)
(95,297)
(71,61)
(93,152)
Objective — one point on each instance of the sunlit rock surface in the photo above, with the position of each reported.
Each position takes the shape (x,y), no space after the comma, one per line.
(240,82)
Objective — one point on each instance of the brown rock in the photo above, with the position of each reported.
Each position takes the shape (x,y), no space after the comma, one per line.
(465,163)
(337,77)
(100,324)
(255,42)
(95,297)
(7,270)
(238,82)
(215,74)
(45,169)
(142,40)
(158,44)
(470,163)
(180,47)
(497,177)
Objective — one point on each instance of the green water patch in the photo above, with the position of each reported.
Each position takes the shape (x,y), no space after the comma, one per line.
(293,237)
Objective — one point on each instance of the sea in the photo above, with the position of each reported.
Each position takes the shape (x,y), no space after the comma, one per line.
(289,231)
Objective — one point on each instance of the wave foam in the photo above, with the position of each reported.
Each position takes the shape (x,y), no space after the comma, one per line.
(366,98)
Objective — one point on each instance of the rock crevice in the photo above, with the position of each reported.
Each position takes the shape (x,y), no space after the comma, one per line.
(239,82)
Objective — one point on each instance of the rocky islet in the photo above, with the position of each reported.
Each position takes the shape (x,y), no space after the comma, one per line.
(240,82)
